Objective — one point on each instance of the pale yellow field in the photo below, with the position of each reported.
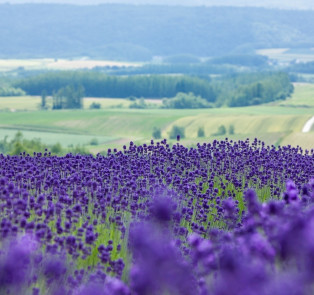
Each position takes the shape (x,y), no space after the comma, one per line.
(20,103)
(282,55)
(58,64)
(243,124)
(107,102)
(305,140)
(31,103)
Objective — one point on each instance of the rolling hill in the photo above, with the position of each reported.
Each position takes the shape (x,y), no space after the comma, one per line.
(137,33)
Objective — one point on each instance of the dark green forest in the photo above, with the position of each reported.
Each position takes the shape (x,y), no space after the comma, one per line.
(191,65)
(126,32)
(252,89)
(232,90)
(102,85)
(304,67)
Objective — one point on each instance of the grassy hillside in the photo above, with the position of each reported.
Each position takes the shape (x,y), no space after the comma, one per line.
(279,123)
(303,96)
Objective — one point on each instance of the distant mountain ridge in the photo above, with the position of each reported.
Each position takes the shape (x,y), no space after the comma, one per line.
(128,32)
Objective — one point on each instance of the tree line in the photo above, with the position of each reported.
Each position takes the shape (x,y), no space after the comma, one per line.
(303,67)
(68,88)
(252,88)
(11,91)
(102,85)
(197,69)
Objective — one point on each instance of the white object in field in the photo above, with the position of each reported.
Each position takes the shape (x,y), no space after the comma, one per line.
(308,125)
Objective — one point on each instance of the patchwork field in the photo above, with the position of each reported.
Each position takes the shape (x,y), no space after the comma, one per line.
(115,124)
(303,96)
(32,103)
(286,55)
(58,64)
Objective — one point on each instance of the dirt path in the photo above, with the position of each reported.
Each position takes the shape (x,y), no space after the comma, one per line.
(308,125)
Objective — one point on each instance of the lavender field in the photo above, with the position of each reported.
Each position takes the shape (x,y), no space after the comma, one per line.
(227,217)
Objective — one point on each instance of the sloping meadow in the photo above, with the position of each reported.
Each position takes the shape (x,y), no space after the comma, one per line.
(222,218)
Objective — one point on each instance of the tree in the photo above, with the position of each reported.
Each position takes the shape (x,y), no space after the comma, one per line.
(43,99)
(95,105)
(200,132)
(156,133)
(221,131)
(176,130)
(69,97)
(231,129)
(185,101)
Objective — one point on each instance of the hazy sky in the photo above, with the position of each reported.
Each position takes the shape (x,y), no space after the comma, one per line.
(299,4)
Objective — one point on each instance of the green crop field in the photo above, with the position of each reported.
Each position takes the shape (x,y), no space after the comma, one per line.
(116,124)
(50,138)
(303,96)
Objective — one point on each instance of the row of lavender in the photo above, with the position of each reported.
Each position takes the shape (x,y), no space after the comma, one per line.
(155,219)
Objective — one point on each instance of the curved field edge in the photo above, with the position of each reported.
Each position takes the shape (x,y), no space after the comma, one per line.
(115,124)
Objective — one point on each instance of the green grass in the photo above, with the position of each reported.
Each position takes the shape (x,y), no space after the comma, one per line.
(244,124)
(115,124)
(51,138)
(114,127)
(303,96)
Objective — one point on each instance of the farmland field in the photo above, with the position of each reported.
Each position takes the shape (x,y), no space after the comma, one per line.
(115,123)
(285,55)
(20,103)
(32,103)
(58,64)
(303,96)
(154,150)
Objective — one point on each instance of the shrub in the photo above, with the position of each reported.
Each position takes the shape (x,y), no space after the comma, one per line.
(131,98)
(78,149)
(175,131)
(95,105)
(231,129)
(221,131)
(139,104)
(186,101)
(56,148)
(94,141)
(200,132)
(156,133)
